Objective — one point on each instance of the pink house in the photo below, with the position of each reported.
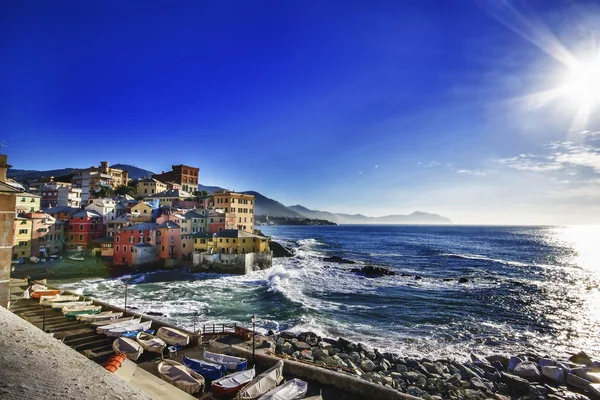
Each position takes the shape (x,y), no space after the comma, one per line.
(127,242)
(169,241)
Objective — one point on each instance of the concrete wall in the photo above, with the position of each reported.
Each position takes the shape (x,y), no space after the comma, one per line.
(224,263)
(7,217)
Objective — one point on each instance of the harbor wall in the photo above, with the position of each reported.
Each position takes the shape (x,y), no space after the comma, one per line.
(225,263)
(7,217)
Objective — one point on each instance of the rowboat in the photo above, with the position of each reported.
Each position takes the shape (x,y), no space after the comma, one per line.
(263,383)
(70,304)
(103,329)
(120,331)
(36,294)
(96,324)
(232,363)
(34,259)
(103,316)
(72,312)
(207,369)
(58,298)
(130,348)
(181,376)
(229,385)
(150,342)
(294,389)
(37,286)
(133,334)
(173,336)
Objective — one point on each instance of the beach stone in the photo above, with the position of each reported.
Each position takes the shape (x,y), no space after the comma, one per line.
(324,345)
(334,350)
(355,357)
(576,381)
(519,385)
(477,383)
(309,337)
(502,359)
(527,370)
(433,368)
(367,365)
(512,363)
(414,391)
(594,390)
(343,343)
(401,368)
(370,355)
(301,346)
(385,365)
(492,376)
(287,348)
(478,360)
(411,376)
(546,362)
(280,341)
(387,381)
(287,335)
(306,355)
(412,363)
(320,354)
(581,358)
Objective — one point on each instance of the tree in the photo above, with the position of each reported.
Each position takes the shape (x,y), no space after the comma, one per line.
(199,195)
(123,190)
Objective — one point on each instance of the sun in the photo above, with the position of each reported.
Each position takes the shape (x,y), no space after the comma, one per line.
(582,84)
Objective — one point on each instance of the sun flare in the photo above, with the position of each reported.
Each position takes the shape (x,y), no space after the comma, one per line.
(582,85)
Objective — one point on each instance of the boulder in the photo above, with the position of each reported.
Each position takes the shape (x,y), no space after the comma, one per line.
(280,251)
(463,280)
(478,360)
(368,366)
(581,358)
(498,358)
(414,391)
(370,355)
(287,335)
(575,381)
(519,385)
(370,271)
(320,354)
(301,346)
(546,362)
(285,348)
(338,260)
(343,343)
(594,390)
(555,374)
(401,368)
(306,355)
(527,370)
(309,337)
(512,363)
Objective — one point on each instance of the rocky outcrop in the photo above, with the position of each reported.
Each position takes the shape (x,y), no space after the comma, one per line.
(280,251)
(373,272)
(337,259)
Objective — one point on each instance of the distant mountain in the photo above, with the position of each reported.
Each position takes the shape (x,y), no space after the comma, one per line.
(31,174)
(417,217)
(134,172)
(209,189)
(272,208)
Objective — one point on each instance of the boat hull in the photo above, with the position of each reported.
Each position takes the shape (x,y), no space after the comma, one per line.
(39,293)
(208,370)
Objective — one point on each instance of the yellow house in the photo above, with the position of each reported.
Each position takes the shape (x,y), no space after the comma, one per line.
(166,198)
(23,229)
(238,207)
(231,241)
(141,212)
(149,187)
(27,202)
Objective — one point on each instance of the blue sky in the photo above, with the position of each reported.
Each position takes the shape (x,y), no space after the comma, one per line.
(377,107)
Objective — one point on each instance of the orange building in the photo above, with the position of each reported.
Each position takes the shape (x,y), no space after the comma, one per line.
(183,175)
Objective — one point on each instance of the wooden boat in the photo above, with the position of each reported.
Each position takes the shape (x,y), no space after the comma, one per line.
(133,334)
(96,324)
(130,348)
(232,363)
(36,294)
(57,298)
(72,312)
(172,336)
(103,316)
(294,389)
(118,324)
(34,259)
(181,376)
(70,304)
(229,385)
(263,383)
(150,342)
(121,330)
(207,369)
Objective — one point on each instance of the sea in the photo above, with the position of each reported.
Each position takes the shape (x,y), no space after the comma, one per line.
(529,289)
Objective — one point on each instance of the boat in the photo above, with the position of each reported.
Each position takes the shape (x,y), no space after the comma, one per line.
(294,389)
(36,294)
(129,347)
(97,324)
(150,342)
(70,304)
(54,256)
(210,371)
(117,324)
(34,259)
(72,312)
(232,363)
(172,336)
(229,385)
(76,258)
(263,383)
(121,330)
(133,334)
(103,316)
(181,376)
(58,298)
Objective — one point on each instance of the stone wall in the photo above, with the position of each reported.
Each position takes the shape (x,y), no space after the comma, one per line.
(7,217)
(224,263)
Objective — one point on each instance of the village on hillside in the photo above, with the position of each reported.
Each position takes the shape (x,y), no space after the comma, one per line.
(162,221)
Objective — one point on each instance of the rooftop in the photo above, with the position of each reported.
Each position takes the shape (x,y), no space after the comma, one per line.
(146,226)
(234,233)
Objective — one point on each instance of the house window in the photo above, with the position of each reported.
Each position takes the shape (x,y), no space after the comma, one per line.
(21,231)
(131,240)
(80,227)
(117,248)
(70,237)
(118,238)
(162,248)
(220,240)
(203,241)
(183,245)
(125,249)
(80,237)
(233,240)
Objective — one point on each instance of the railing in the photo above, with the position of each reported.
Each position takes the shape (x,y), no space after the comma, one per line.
(219,329)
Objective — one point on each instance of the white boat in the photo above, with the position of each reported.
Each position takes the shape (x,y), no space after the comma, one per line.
(150,342)
(294,389)
(74,310)
(263,383)
(34,259)
(172,336)
(60,306)
(58,298)
(103,316)
(120,331)
(229,385)
(37,286)
(96,324)
(105,328)
(232,363)
(129,347)
(181,376)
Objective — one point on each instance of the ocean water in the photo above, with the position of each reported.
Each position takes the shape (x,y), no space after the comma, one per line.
(530,288)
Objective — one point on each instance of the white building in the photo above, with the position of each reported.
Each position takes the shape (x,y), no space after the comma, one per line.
(104,207)
(69,197)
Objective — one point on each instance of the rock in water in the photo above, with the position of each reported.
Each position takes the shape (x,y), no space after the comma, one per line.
(370,271)
(288,335)
(577,382)
(512,363)
(546,362)
(581,358)
(553,373)
(279,250)
(527,370)
(338,260)
(367,365)
(519,385)
(463,280)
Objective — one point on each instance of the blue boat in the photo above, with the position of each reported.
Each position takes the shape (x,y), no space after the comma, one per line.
(232,363)
(207,369)
(133,335)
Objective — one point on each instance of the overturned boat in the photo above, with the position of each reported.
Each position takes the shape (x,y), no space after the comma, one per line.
(150,342)
(294,389)
(232,363)
(207,369)
(172,336)
(181,376)
(103,316)
(229,385)
(263,383)
(129,347)
(133,327)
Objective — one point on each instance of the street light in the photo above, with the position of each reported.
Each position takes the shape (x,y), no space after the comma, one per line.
(253,339)
(126,282)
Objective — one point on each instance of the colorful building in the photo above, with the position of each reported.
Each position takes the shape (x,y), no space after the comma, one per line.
(69,196)
(238,209)
(147,187)
(141,212)
(27,202)
(215,221)
(94,179)
(240,242)
(105,207)
(167,198)
(169,241)
(124,242)
(48,235)
(183,175)
(84,227)
(22,230)
(113,227)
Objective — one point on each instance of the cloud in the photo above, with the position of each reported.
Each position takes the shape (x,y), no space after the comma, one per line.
(476,172)
(431,164)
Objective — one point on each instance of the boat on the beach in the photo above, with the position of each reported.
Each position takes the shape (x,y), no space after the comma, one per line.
(36,294)
(207,369)
(229,385)
(150,342)
(129,347)
(70,304)
(181,376)
(232,363)
(121,330)
(76,258)
(172,336)
(72,312)
(294,389)
(117,324)
(96,324)
(34,259)
(263,383)
(103,316)
(57,298)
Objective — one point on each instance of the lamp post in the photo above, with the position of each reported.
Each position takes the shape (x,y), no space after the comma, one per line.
(253,339)
(126,282)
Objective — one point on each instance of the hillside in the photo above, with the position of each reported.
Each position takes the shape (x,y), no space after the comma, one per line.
(31,174)
(417,217)
(134,172)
